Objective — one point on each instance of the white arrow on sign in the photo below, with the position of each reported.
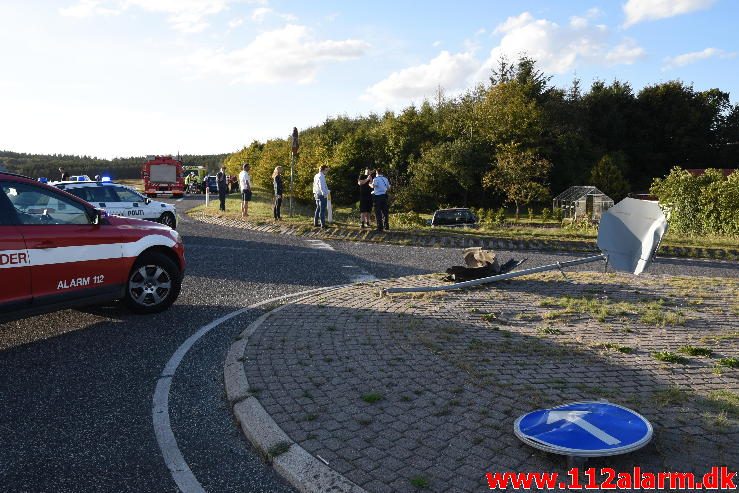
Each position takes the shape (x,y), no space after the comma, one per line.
(575,417)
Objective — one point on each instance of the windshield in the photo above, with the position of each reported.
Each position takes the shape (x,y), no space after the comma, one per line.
(126,194)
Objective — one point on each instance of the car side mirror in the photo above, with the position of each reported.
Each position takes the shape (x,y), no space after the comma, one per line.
(147,201)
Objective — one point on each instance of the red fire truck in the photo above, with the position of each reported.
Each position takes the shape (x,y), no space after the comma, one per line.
(163,174)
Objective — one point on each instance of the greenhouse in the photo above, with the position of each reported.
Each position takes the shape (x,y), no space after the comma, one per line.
(582,203)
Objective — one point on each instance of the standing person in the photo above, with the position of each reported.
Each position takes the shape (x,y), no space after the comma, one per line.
(65,175)
(320,193)
(245,186)
(365,197)
(195,183)
(380,186)
(277,185)
(222,183)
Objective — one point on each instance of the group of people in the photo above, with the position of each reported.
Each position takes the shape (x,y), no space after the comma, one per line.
(192,182)
(244,182)
(373,190)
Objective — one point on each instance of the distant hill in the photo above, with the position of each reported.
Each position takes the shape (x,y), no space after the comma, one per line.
(47,165)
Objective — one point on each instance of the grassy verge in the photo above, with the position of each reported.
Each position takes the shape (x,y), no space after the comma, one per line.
(260,210)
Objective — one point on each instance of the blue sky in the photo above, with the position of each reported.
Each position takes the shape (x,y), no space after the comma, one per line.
(133,77)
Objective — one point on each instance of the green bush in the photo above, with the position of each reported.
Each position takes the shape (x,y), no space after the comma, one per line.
(486,219)
(700,205)
(581,225)
(407,220)
(531,214)
(500,216)
(546,214)
(558,214)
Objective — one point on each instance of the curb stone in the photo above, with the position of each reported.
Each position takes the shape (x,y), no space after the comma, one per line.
(450,240)
(303,471)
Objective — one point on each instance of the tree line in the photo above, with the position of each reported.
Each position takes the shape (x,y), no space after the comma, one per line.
(47,165)
(515,139)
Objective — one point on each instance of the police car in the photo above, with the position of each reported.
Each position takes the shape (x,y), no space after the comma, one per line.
(120,200)
(58,251)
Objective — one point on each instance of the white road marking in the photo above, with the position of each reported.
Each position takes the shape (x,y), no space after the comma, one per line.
(175,462)
(180,200)
(363,277)
(359,275)
(320,245)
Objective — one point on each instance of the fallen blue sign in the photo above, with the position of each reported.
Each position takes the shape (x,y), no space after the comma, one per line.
(584,429)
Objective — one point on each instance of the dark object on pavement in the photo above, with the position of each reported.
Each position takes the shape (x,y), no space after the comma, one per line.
(479,263)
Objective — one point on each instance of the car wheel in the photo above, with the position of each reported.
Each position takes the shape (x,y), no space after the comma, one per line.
(153,284)
(168,219)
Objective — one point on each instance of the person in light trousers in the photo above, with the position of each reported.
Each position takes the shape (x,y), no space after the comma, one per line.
(320,193)
(380,186)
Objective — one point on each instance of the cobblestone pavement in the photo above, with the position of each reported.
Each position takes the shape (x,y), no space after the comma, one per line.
(410,392)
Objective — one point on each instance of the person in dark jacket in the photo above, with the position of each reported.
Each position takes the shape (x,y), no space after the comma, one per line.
(277,184)
(365,197)
(222,182)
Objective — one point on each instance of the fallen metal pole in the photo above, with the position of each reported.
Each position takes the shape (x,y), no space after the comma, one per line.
(500,277)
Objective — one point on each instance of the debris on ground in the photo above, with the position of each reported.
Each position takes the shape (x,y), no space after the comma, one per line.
(479,263)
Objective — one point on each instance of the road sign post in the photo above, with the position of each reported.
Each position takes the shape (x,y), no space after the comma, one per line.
(295,143)
(584,429)
(628,236)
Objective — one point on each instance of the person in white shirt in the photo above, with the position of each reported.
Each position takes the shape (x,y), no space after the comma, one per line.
(380,186)
(320,193)
(245,186)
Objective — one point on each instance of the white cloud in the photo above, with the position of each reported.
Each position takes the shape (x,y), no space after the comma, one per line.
(88,8)
(647,10)
(450,71)
(183,15)
(578,22)
(558,48)
(261,13)
(234,23)
(694,56)
(291,53)
(625,53)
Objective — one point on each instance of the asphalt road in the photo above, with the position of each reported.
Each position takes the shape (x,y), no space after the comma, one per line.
(76,387)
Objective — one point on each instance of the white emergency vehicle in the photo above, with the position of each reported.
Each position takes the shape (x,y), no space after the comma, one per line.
(120,200)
